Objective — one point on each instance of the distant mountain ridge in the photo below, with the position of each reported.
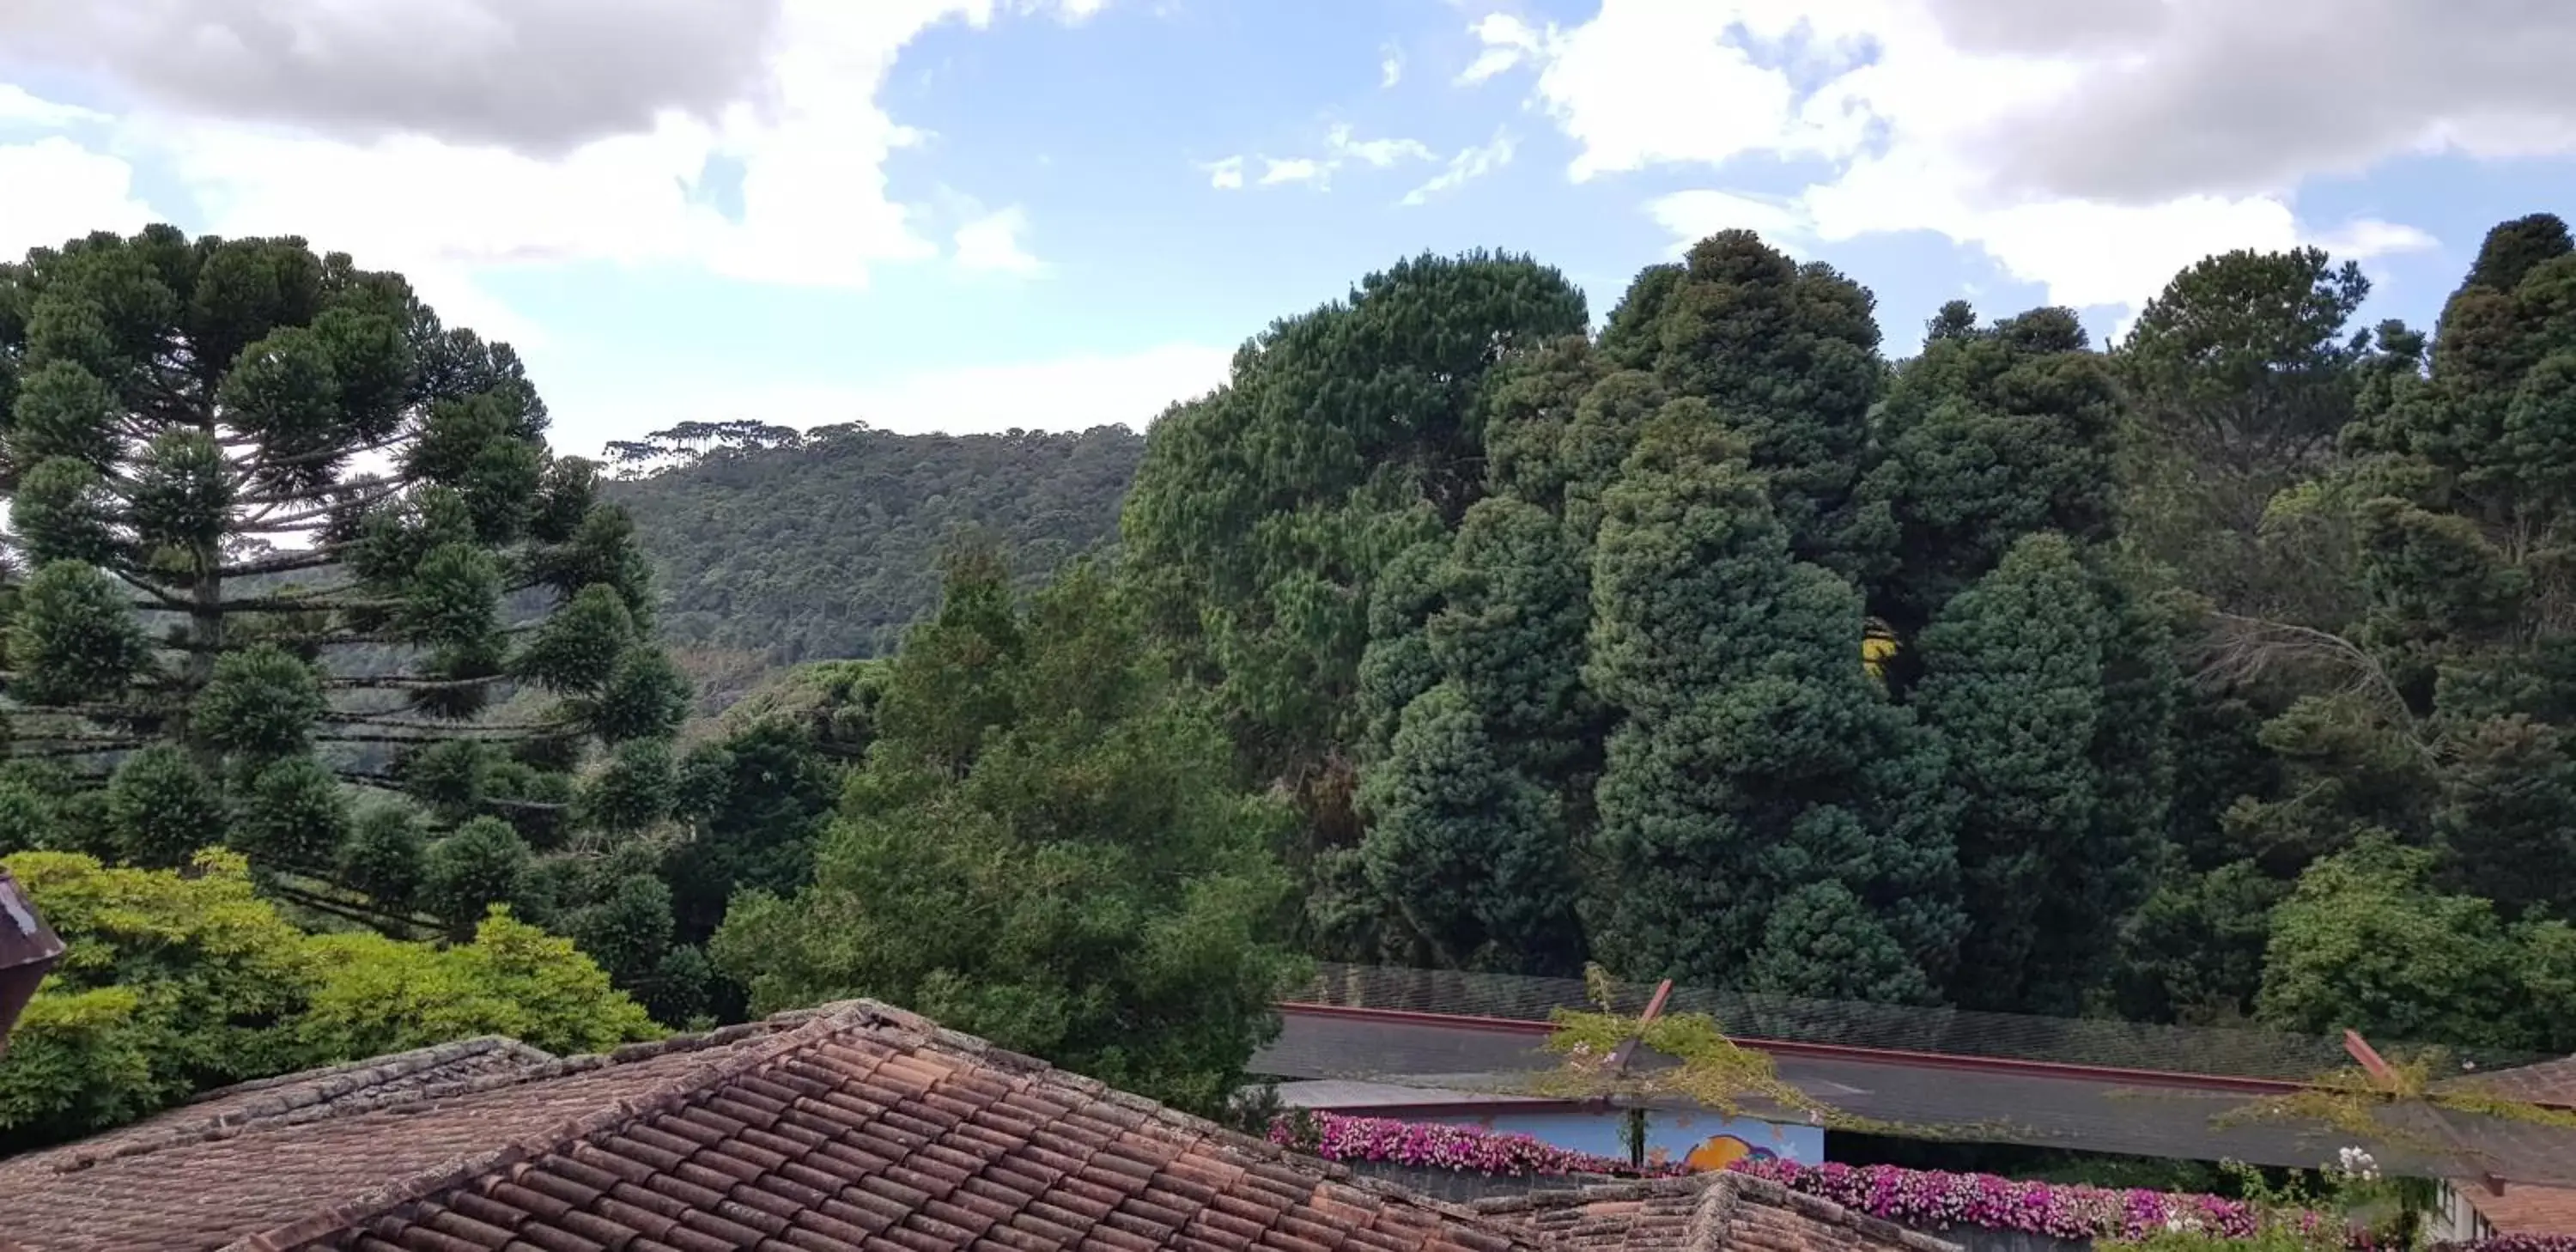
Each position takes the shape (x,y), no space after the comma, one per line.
(827,545)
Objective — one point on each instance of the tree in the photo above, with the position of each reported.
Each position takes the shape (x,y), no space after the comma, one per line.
(2240,377)
(1263,512)
(2193,951)
(2367,943)
(1753,756)
(375,995)
(2013,684)
(1471,853)
(290,535)
(1991,435)
(791,550)
(1788,356)
(1045,848)
(174,982)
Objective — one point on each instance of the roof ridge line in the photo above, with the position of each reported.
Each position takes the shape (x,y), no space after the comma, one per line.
(816,1025)
(330,1083)
(412,1060)
(1743,1187)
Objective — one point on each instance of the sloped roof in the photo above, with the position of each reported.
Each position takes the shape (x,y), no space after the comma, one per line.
(1702,1214)
(854,1126)
(2525,1210)
(2549,1082)
(312,1095)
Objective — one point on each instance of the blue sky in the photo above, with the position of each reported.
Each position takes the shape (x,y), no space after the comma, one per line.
(976,214)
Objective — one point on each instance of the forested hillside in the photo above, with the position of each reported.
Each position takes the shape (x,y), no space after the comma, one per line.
(826,544)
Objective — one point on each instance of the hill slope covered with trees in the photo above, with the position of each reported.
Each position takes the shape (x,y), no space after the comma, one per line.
(825,545)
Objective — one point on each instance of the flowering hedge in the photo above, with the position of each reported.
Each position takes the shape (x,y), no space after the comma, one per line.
(1938,1200)
(1431,1145)
(1931,1200)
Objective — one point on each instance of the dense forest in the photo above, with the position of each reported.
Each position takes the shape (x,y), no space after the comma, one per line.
(825,544)
(2221,674)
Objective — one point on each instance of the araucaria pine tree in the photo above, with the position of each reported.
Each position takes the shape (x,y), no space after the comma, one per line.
(282,540)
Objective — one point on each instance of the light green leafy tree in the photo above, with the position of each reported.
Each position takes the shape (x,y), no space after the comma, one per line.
(1046,848)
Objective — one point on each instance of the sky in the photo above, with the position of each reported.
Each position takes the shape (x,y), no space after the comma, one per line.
(975,215)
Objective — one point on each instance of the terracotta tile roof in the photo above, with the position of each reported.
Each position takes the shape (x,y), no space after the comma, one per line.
(852,1127)
(2524,1209)
(309,1096)
(1702,1214)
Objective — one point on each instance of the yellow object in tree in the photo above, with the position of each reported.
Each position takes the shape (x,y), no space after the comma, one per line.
(1877,644)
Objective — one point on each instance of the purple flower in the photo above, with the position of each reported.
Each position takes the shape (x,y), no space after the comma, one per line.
(1438,1146)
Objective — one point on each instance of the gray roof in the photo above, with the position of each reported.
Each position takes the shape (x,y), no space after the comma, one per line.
(1966,1098)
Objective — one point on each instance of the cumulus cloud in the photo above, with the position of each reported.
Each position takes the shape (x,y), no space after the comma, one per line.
(1977,119)
(1470,164)
(577,172)
(539,76)
(2221,97)
(1390,67)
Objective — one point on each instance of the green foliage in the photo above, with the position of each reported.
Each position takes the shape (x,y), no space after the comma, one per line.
(237,621)
(191,972)
(72,637)
(375,995)
(755,800)
(161,809)
(1263,512)
(175,982)
(2014,684)
(1992,435)
(483,863)
(386,855)
(826,545)
(1787,355)
(1080,882)
(261,704)
(294,814)
(1472,854)
(1753,757)
(2367,942)
(2240,377)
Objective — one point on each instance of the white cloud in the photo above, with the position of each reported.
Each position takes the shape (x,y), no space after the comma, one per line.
(1225,175)
(1902,103)
(1694,215)
(1390,67)
(810,143)
(1379,153)
(60,191)
(1065,393)
(1469,164)
(1508,42)
(992,243)
(1277,170)
(1342,147)
(19,107)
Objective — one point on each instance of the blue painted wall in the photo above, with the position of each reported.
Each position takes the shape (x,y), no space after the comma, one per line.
(1677,1134)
